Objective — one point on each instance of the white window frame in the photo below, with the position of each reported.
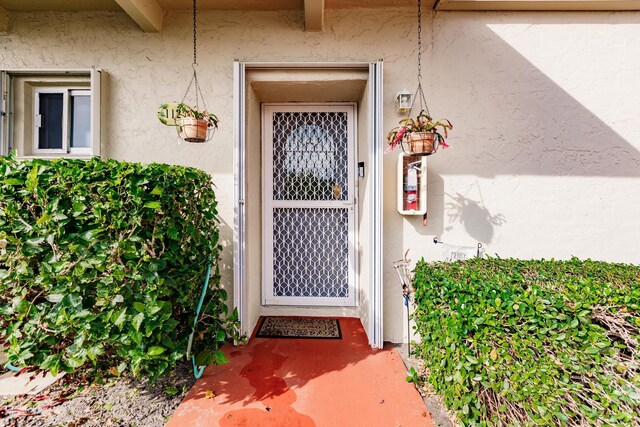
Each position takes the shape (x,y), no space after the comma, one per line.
(29,148)
(80,150)
(37,120)
(67,94)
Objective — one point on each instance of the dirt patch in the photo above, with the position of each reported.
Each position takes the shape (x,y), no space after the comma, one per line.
(118,402)
(435,404)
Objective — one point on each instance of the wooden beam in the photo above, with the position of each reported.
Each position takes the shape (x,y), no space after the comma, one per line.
(314,15)
(148,14)
(4,20)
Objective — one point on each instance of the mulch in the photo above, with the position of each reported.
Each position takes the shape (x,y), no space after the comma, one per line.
(124,401)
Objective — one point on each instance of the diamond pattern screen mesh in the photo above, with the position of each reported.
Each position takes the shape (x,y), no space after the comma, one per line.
(310,252)
(310,156)
(310,164)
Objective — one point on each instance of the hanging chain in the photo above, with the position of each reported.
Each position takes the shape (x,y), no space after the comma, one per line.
(195,37)
(194,65)
(419,41)
(419,95)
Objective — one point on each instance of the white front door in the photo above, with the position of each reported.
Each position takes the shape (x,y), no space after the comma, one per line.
(308,205)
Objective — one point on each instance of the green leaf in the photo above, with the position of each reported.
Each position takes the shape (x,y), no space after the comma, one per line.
(155,351)
(32,178)
(472,359)
(205,358)
(119,316)
(137,321)
(171,390)
(152,205)
(157,191)
(54,298)
(75,362)
(172,232)
(13,181)
(46,217)
(51,363)
(78,207)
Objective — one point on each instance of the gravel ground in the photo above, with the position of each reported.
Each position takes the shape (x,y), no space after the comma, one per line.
(435,404)
(118,402)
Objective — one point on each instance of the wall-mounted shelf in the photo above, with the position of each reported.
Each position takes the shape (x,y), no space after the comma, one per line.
(412,184)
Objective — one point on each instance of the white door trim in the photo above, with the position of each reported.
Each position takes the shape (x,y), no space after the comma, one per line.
(374,157)
(376,250)
(239,214)
(268,297)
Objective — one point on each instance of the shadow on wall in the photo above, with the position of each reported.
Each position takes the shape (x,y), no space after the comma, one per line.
(519,120)
(474,216)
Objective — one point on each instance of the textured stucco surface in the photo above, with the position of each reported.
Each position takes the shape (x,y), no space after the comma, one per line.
(544,158)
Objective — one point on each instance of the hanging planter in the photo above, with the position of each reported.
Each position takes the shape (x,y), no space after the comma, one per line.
(192,124)
(420,136)
(192,130)
(421,143)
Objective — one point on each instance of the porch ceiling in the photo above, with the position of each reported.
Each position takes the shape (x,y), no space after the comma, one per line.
(58,5)
(98,5)
(167,5)
(148,14)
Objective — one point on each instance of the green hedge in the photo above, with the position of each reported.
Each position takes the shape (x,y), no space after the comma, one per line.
(102,265)
(510,342)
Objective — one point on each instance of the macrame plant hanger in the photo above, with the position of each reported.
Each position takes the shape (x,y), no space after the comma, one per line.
(193,83)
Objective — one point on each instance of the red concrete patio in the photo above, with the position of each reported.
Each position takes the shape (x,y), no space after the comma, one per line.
(305,382)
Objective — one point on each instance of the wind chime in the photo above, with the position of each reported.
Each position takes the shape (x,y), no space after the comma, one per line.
(419,136)
(191,123)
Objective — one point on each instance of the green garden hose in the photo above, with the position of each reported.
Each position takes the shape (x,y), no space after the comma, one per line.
(198,370)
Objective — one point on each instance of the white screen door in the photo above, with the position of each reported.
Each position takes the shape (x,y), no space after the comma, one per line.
(308,205)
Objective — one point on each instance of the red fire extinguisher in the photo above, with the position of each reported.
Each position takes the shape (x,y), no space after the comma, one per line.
(411,186)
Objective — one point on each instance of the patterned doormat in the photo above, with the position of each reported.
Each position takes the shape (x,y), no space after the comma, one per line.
(300,327)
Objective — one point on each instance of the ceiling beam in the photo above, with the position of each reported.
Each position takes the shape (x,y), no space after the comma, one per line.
(4,20)
(314,15)
(148,14)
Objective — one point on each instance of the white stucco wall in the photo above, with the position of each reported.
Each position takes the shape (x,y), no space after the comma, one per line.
(544,158)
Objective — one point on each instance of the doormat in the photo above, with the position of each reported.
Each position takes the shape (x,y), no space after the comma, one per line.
(300,327)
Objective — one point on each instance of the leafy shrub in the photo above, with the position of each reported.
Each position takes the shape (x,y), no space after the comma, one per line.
(510,342)
(102,265)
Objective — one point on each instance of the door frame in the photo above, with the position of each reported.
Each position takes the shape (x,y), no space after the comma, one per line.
(267,204)
(374,324)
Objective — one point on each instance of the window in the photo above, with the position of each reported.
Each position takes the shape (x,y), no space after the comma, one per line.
(62,121)
(50,113)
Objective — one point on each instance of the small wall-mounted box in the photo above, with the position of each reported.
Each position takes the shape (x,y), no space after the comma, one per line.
(412,184)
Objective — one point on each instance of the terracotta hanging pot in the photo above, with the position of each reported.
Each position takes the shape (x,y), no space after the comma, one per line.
(192,130)
(421,143)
